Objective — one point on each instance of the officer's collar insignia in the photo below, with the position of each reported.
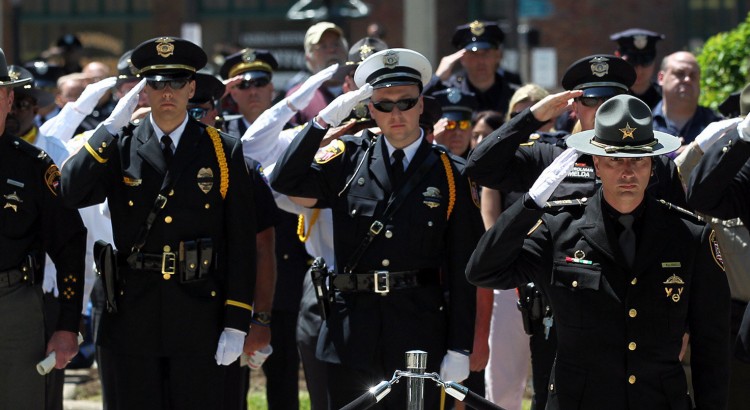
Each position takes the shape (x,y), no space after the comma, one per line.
(248,56)
(454,95)
(599,66)
(476,27)
(15,183)
(640,41)
(627,132)
(365,51)
(131,181)
(432,197)
(205,179)
(13,197)
(52,178)
(674,288)
(715,250)
(330,151)
(11,206)
(164,47)
(390,59)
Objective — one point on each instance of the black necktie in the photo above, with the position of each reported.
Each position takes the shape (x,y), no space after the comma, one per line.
(167,150)
(398,167)
(627,238)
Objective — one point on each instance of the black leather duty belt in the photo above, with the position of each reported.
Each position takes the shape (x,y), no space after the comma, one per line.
(165,263)
(382,282)
(12,277)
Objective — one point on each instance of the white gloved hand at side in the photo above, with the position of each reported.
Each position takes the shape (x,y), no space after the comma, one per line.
(86,103)
(120,116)
(230,346)
(552,176)
(743,128)
(714,131)
(455,366)
(301,98)
(342,106)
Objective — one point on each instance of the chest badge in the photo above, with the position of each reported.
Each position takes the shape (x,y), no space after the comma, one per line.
(674,286)
(432,197)
(205,179)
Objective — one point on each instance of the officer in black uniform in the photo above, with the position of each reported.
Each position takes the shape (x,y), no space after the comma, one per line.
(391,265)
(184,228)
(34,221)
(480,51)
(638,47)
(253,93)
(626,276)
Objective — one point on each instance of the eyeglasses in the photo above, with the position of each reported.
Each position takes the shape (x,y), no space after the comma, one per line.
(173,84)
(197,112)
(463,124)
(403,105)
(254,83)
(592,102)
(22,104)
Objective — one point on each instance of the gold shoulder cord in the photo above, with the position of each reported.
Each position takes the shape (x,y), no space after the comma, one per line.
(451,183)
(301,225)
(222,159)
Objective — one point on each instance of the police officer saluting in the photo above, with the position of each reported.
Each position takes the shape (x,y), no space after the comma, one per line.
(181,204)
(638,47)
(33,221)
(388,296)
(626,276)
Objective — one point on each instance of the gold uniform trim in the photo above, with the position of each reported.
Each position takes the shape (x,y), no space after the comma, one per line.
(301,225)
(241,305)
(255,65)
(451,183)
(222,159)
(94,154)
(166,67)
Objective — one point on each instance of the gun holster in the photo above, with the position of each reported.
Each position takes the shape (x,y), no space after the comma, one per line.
(530,304)
(105,258)
(319,275)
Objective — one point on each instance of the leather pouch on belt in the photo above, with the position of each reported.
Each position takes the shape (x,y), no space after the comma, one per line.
(189,261)
(205,255)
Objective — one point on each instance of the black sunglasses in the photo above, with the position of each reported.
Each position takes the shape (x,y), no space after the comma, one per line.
(173,84)
(592,101)
(254,83)
(402,105)
(197,112)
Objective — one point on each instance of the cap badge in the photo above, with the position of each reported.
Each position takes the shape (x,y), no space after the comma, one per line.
(164,47)
(640,41)
(599,66)
(627,132)
(454,95)
(476,27)
(390,59)
(674,287)
(248,56)
(205,179)
(14,75)
(41,67)
(365,51)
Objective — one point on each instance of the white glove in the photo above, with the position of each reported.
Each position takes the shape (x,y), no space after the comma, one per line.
(714,131)
(455,366)
(120,116)
(743,128)
(230,346)
(552,176)
(342,106)
(301,98)
(86,103)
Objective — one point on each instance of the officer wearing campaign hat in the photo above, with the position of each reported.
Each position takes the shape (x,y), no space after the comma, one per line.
(624,250)
(179,194)
(357,176)
(479,44)
(638,47)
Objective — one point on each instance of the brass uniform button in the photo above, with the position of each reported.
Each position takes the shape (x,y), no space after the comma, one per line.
(213,293)
(429,223)
(386,262)
(104,144)
(205,262)
(631,346)
(192,266)
(168,219)
(631,379)
(207,206)
(167,248)
(171,192)
(130,203)
(100,150)
(634,281)
(388,234)
(632,313)
(575,283)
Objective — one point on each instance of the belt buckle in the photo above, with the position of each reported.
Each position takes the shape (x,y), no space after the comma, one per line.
(168,264)
(376,227)
(378,276)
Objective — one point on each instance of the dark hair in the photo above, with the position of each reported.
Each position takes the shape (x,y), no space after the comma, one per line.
(493,118)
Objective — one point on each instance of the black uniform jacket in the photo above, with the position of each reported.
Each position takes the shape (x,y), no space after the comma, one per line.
(33,221)
(355,183)
(619,329)
(158,316)
(508,161)
(720,186)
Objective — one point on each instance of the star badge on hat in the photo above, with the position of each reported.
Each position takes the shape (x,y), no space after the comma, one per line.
(164,46)
(599,66)
(476,27)
(627,132)
(390,59)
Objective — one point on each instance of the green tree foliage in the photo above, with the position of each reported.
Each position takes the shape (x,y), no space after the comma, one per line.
(725,64)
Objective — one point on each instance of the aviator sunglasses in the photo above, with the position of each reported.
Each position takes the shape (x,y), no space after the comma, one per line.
(402,105)
(254,83)
(463,124)
(592,101)
(173,84)
(197,112)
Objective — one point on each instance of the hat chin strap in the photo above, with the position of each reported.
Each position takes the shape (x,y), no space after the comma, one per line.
(609,149)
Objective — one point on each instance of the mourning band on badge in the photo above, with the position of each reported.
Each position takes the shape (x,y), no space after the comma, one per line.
(673,287)
(716,250)
(330,151)
(52,178)
(432,197)
(205,179)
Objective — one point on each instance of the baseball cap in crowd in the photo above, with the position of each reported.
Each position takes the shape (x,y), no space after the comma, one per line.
(315,32)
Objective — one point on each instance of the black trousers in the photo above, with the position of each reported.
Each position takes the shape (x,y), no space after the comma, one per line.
(543,351)
(55,380)
(103,355)
(308,330)
(282,366)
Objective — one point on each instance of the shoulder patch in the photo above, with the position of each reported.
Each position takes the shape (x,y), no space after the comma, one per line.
(715,250)
(474,193)
(330,151)
(52,178)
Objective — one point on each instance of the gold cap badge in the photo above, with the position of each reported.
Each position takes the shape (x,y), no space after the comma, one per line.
(599,66)
(248,56)
(164,46)
(627,132)
(476,27)
(365,51)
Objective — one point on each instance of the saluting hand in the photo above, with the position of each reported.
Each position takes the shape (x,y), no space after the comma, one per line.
(445,68)
(301,97)
(342,106)
(124,109)
(553,105)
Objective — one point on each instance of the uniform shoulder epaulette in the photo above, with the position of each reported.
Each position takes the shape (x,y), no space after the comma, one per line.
(29,149)
(566,202)
(681,211)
